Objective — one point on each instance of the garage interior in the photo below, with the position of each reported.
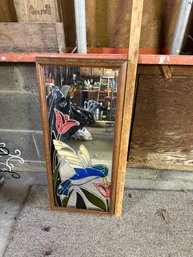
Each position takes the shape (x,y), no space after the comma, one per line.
(158,199)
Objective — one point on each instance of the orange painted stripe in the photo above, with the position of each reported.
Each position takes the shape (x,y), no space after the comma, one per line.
(143,58)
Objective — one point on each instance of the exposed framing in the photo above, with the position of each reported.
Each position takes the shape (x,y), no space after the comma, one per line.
(146,59)
(89,61)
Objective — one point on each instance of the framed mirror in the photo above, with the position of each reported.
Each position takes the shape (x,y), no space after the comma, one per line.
(82,102)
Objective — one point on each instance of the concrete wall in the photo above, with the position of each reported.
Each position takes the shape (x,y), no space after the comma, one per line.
(20,125)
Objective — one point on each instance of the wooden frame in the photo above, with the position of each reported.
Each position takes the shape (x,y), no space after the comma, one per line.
(90,61)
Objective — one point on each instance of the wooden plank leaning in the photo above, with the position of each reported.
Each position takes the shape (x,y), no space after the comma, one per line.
(135,30)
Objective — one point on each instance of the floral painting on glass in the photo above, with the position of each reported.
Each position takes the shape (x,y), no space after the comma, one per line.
(79,121)
(81,110)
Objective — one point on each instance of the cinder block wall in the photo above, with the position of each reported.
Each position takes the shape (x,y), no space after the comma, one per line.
(20,126)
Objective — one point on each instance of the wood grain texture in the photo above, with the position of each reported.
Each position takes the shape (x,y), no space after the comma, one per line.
(7,11)
(108,23)
(45,126)
(163,124)
(169,17)
(105,26)
(60,37)
(117,133)
(28,37)
(166,72)
(135,31)
(179,65)
(67,8)
(37,11)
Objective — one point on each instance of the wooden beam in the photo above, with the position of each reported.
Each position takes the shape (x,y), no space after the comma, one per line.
(166,59)
(60,37)
(135,31)
(143,58)
(31,57)
(166,72)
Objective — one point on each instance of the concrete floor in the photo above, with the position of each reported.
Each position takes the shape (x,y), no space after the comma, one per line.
(13,195)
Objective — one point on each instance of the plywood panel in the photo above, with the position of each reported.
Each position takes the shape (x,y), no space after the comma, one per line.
(31,37)
(108,23)
(163,124)
(37,11)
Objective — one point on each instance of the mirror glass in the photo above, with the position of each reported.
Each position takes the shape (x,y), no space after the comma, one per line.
(81,105)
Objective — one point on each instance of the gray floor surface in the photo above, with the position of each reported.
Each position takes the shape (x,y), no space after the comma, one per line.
(154,224)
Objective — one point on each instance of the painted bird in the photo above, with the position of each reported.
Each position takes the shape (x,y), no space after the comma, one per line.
(83,170)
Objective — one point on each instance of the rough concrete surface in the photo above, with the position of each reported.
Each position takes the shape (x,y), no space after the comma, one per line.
(18,77)
(11,198)
(154,224)
(13,193)
(20,111)
(24,141)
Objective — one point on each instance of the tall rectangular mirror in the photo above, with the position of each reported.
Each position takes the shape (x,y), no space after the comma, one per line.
(82,101)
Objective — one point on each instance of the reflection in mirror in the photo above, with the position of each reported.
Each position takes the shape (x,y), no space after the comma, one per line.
(81,105)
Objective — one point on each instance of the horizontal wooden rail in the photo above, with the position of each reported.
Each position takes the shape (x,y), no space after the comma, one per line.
(143,58)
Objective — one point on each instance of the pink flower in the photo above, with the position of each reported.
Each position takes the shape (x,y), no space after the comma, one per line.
(63,122)
(104,189)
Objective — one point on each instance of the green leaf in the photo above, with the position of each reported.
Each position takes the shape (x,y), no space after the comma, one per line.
(55,174)
(55,180)
(66,199)
(80,204)
(95,200)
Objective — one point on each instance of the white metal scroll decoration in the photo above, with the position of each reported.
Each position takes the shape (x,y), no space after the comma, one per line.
(7,159)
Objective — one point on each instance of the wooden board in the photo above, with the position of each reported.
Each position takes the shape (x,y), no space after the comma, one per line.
(163,123)
(31,37)
(7,11)
(176,62)
(107,21)
(135,31)
(38,11)
(69,22)
(168,17)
